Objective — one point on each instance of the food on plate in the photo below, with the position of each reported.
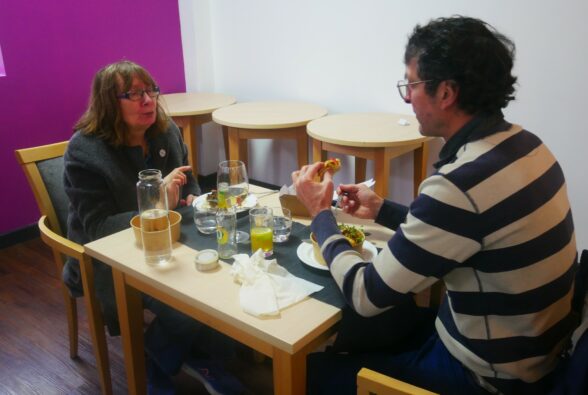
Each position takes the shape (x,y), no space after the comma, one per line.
(316,251)
(212,198)
(332,164)
(353,234)
(215,199)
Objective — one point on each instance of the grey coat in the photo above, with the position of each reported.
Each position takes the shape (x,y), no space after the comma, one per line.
(100,182)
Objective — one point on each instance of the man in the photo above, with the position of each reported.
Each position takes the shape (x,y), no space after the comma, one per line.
(493,223)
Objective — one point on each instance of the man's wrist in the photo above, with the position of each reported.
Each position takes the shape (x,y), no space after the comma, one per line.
(324,225)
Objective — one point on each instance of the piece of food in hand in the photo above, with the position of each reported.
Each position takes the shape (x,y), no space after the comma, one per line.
(354,235)
(333,165)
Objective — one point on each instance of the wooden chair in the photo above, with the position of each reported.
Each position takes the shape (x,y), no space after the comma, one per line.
(371,382)
(43,167)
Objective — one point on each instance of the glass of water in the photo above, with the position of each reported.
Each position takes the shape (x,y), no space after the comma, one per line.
(205,219)
(282,224)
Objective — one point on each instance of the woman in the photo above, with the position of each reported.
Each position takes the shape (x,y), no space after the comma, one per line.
(124,131)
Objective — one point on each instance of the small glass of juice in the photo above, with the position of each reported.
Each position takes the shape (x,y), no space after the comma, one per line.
(262,230)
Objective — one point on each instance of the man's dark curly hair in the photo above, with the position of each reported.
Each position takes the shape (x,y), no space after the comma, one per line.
(470,52)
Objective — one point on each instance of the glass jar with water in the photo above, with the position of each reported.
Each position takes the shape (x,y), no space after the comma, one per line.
(153,210)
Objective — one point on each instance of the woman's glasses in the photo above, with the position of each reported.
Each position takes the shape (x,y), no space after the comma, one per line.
(137,94)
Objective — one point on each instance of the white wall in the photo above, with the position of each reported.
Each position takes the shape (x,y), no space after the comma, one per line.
(347,56)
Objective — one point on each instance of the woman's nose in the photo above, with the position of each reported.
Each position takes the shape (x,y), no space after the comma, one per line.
(146,99)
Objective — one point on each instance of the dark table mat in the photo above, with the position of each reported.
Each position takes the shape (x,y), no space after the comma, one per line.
(285,253)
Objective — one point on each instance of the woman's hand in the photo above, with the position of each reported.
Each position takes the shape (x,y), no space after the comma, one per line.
(173,182)
(316,196)
(360,201)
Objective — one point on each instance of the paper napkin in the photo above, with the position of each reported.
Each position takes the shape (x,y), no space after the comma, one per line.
(267,287)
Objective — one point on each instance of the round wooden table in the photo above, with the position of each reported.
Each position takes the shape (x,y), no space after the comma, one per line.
(190,110)
(267,120)
(376,136)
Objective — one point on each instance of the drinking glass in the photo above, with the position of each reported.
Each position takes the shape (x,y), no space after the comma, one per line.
(262,234)
(232,185)
(205,219)
(282,224)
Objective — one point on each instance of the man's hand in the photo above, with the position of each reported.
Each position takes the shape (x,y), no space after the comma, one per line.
(173,182)
(316,196)
(190,199)
(360,201)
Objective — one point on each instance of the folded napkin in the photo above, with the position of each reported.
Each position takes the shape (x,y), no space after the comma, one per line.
(267,287)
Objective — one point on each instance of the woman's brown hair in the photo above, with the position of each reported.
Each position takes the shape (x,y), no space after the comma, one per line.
(103,116)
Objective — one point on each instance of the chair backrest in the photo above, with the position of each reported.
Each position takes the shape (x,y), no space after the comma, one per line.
(43,167)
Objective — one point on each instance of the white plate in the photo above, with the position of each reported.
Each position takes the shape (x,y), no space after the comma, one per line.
(201,203)
(306,255)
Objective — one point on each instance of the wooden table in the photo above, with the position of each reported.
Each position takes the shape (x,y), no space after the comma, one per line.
(213,299)
(190,110)
(267,120)
(375,136)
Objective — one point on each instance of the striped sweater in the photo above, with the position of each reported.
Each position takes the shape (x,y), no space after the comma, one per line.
(495,226)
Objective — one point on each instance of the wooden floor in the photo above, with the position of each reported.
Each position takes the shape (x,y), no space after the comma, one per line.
(34,349)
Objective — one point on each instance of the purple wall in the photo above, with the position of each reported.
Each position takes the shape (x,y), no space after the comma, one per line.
(2,73)
(51,50)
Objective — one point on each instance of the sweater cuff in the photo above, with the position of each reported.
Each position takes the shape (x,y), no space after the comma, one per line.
(391,214)
(324,225)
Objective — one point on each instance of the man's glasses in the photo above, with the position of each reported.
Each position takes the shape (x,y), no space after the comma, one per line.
(404,88)
(137,94)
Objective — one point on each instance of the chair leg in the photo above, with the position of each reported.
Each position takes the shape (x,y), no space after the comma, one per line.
(71,309)
(96,324)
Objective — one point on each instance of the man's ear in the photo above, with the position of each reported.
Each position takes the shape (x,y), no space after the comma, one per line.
(449,92)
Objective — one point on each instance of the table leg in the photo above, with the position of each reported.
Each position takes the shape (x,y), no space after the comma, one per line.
(302,147)
(244,151)
(189,126)
(420,157)
(317,151)
(360,168)
(289,372)
(130,316)
(423,298)
(381,171)
(233,143)
(226,140)
(194,143)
